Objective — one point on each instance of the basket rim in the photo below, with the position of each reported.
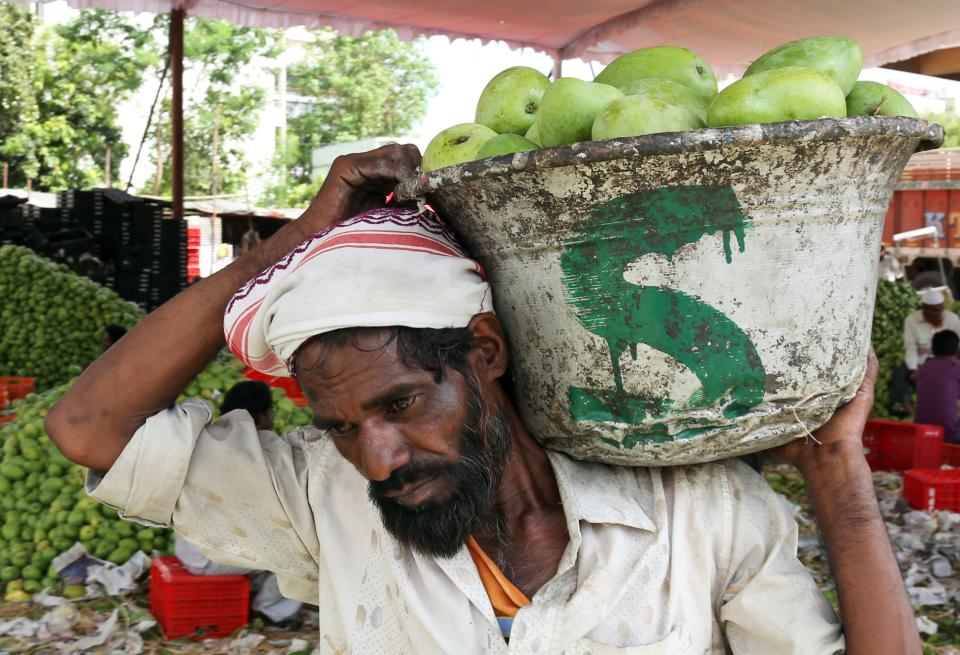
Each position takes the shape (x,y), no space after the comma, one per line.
(930,137)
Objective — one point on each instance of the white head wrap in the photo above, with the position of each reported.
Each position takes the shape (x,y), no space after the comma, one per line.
(933,297)
(387,267)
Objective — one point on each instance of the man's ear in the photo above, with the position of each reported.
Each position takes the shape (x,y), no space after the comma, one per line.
(489,355)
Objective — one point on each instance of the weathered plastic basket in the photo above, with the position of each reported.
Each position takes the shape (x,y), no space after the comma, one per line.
(683,297)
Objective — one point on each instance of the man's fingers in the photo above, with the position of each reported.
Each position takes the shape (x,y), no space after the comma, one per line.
(390,163)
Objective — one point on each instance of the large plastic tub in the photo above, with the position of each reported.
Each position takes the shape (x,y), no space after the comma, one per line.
(683,297)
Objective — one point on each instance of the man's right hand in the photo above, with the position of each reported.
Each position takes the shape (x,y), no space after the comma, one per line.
(359,182)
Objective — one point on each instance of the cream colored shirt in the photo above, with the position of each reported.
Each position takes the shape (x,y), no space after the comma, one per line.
(918,336)
(698,559)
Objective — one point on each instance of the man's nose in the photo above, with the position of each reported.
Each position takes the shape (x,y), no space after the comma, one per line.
(383,450)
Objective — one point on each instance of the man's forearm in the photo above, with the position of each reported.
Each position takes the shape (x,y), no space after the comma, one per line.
(146,370)
(876,611)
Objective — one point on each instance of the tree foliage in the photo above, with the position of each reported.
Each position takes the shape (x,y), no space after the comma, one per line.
(217,102)
(78,74)
(951,125)
(17,102)
(348,88)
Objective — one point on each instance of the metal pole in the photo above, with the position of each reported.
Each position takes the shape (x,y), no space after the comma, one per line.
(557,68)
(176,119)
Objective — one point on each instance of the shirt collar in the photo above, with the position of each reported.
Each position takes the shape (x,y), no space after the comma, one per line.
(599,493)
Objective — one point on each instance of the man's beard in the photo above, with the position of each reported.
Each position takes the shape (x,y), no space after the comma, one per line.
(439,528)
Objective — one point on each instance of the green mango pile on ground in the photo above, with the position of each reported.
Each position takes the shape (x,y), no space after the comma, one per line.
(895,301)
(45,510)
(43,506)
(52,319)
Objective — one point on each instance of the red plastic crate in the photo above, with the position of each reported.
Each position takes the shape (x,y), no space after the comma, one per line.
(289,385)
(9,418)
(951,454)
(18,387)
(197,606)
(899,446)
(927,489)
(4,397)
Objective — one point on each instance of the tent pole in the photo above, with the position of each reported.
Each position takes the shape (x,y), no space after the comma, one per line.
(176,119)
(557,68)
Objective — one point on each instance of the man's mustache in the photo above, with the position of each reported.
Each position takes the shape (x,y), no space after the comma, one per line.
(412,473)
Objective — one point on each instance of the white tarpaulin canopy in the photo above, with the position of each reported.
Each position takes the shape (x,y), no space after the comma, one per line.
(727,33)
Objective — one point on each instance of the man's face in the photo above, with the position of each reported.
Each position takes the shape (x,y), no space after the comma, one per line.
(433,448)
(933,313)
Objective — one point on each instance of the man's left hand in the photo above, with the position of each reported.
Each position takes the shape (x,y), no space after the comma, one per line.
(840,436)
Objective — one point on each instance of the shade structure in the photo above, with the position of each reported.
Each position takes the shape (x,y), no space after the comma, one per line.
(727,33)
(943,63)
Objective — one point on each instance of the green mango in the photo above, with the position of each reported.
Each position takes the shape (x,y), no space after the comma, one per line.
(875,99)
(505,144)
(642,114)
(781,94)
(568,109)
(672,92)
(837,57)
(508,103)
(533,135)
(666,62)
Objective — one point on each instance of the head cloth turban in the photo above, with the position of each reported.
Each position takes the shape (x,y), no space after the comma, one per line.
(387,267)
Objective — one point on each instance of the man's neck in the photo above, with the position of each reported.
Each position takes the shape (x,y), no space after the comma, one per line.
(530,534)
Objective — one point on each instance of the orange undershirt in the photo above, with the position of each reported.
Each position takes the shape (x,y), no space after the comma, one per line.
(504,596)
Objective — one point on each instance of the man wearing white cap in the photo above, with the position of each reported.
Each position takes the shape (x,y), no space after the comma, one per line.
(920,326)
(421,516)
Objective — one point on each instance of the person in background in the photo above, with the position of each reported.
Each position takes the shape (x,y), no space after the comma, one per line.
(920,326)
(111,335)
(890,268)
(938,386)
(254,398)
(250,239)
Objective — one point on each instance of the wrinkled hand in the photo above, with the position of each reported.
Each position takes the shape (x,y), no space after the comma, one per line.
(359,182)
(841,436)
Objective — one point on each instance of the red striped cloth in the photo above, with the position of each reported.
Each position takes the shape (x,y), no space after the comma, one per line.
(386,267)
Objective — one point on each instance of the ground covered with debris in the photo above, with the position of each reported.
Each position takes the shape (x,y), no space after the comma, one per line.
(927,545)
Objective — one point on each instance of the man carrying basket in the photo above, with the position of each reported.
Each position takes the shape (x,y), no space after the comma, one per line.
(421,515)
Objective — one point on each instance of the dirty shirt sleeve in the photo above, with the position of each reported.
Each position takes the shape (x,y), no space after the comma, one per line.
(770,603)
(238,494)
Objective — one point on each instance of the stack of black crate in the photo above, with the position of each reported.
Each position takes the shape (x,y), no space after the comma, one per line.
(147,252)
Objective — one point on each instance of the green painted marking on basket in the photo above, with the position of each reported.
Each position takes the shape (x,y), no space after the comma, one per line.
(700,337)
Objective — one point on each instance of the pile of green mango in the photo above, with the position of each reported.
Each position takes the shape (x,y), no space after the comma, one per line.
(895,301)
(51,320)
(44,508)
(664,89)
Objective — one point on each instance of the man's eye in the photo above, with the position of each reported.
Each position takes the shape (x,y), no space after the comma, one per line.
(340,429)
(401,404)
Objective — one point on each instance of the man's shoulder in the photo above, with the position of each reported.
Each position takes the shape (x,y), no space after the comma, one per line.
(708,483)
